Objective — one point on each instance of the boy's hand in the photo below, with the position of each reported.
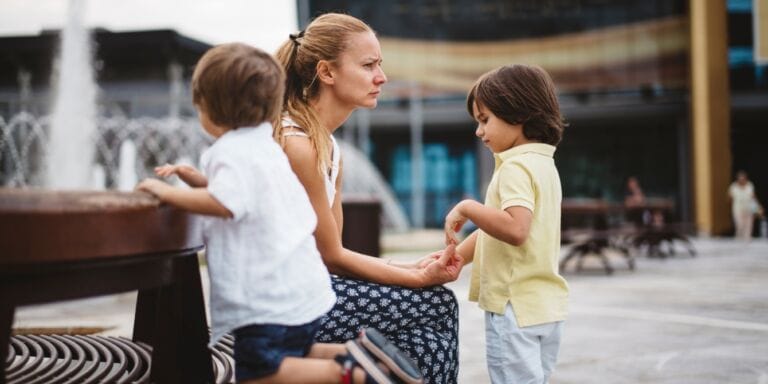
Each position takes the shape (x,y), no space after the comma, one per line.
(153,186)
(454,220)
(186,173)
(167,170)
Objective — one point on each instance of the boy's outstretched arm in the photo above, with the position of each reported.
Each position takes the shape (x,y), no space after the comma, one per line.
(511,225)
(466,249)
(195,200)
(186,173)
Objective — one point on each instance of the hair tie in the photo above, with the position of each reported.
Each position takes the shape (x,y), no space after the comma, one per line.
(295,36)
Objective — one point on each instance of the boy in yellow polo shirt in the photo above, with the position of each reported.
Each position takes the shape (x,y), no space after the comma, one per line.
(515,278)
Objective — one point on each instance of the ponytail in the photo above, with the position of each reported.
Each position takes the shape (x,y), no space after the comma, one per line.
(325,38)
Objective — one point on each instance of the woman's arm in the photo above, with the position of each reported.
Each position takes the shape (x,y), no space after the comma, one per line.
(511,225)
(338,214)
(195,200)
(759,211)
(339,260)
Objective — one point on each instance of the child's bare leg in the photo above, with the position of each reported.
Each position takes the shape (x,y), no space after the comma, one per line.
(326,350)
(331,350)
(307,371)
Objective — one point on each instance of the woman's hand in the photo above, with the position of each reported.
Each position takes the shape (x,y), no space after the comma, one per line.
(454,221)
(444,269)
(428,259)
(418,264)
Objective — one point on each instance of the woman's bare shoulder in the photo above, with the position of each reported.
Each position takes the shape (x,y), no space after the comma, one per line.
(300,151)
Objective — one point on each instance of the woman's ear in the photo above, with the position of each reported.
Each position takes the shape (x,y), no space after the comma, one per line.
(325,72)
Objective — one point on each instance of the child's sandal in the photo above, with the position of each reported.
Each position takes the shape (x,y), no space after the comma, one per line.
(348,362)
(399,364)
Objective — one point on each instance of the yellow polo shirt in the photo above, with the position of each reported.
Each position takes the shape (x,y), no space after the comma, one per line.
(526,276)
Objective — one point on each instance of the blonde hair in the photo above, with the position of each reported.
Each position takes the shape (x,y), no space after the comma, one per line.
(325,38)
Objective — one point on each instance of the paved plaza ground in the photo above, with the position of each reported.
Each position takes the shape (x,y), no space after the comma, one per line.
(674,320)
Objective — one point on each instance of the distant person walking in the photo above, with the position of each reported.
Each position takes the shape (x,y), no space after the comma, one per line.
(744,205)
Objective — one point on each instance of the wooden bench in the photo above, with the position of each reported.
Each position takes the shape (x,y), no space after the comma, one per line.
(65,245)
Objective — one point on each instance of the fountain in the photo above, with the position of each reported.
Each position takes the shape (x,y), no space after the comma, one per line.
(127,149)
(72,129)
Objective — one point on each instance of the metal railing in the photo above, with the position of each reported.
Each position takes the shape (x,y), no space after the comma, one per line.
(24,144)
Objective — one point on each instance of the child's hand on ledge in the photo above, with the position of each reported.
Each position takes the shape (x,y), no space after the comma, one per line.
(154,186)
(167,170)
(186,173)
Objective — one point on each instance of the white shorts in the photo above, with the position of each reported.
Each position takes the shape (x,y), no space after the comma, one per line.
(520,355)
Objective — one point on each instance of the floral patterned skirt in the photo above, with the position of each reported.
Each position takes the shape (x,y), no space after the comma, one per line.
(422,322)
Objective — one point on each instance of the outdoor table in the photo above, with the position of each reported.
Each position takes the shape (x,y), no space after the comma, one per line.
(593,217)
(590,215)
(63,245)
(658,230)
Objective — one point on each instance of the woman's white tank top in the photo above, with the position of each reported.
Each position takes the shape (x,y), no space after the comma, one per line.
(332,173)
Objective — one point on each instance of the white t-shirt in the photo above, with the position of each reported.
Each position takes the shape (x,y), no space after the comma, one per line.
(263,263)
(741,197)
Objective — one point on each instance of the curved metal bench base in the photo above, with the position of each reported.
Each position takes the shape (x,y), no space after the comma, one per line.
(37,359)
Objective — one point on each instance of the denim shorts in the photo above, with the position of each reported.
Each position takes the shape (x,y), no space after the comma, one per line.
(520,355)
(261,348)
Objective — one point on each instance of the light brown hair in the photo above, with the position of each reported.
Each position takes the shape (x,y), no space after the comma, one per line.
(238,85)
(521,94)
(325,38)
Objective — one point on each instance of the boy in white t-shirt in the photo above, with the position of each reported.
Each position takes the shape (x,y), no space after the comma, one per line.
(269,285)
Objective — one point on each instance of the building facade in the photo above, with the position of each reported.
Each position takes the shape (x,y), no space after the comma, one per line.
(624,72)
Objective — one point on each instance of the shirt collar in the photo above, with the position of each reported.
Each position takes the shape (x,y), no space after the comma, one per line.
(539,148)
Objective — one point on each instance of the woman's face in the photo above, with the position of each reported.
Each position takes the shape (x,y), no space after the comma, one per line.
(358,72)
